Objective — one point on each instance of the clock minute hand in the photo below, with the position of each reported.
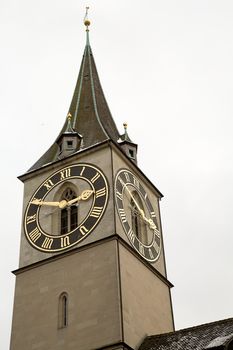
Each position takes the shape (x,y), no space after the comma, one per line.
(134,200)
(141,211)
(40,202)
(150,222)
(84,196)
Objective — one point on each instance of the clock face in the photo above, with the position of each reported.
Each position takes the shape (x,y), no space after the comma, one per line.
(66,207)
(137,215)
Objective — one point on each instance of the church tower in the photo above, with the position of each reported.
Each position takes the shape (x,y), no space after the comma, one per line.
(92,269)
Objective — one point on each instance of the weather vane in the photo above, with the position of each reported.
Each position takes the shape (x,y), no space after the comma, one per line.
(86,21)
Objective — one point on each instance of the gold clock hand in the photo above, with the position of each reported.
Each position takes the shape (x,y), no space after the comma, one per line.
(62,204)
(84,196)
(150,222)
(141,211)
(134,200)
(40,202)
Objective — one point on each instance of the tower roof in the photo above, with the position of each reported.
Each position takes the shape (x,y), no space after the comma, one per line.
(90,114)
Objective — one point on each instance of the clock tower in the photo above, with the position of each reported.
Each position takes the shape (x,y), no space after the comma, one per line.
(92,269)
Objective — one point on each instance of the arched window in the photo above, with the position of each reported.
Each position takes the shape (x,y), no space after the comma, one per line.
(138,225)
(63,310)
(69,215)
(135,216)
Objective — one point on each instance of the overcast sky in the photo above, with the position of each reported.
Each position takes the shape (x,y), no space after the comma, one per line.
(166,68)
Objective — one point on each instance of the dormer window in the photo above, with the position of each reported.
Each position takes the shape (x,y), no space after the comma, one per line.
(70,144)
(131,153)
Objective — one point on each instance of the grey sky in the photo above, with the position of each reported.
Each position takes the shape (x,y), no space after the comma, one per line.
(166,68)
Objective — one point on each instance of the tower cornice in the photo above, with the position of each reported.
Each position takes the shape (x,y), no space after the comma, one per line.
(92,148)
(113,237)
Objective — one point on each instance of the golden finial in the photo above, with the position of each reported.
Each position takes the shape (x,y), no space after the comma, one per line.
(69,116)
(86,21)
(125,126)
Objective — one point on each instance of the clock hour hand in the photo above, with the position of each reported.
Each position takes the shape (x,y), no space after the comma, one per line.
(83,196)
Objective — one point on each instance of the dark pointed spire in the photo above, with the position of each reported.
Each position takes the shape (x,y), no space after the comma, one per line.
(91,117)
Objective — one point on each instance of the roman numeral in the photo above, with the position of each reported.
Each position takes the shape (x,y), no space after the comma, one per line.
(97,175)
(157,233)
(119,195)
(47,243)
(136,182)
(122,215)
(34,234)
(131,235)
(96,212)
(151,254)
(141,249)
(65,241)
(101,192)
(156,247)
(82,171)
(121,181)
(30,219)
(126,176)
(83,230)
(48,184)
(65,174)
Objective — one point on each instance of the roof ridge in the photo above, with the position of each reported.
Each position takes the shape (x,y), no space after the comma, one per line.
(191,328)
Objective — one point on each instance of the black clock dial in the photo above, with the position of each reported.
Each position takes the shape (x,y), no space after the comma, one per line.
(137,215)
(43,215)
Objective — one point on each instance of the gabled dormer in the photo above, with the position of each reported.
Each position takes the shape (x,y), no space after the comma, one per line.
(127,145)
(69,141)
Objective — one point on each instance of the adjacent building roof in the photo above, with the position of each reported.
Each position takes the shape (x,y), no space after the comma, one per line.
(90,114)
(215,335)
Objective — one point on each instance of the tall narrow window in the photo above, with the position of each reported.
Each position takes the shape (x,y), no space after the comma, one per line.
(135,219)
(69,215)
(63,311)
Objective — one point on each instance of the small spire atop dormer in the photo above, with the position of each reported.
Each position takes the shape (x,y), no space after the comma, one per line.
(125,136)
(69,128)
(127,145)
(70,140)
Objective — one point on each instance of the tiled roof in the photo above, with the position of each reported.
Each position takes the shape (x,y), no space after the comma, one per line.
(206,336)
